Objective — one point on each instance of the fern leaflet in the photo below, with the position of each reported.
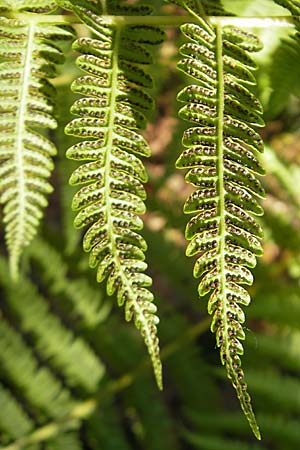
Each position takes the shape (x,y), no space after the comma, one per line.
(221,157)
(111,112)
(28,58)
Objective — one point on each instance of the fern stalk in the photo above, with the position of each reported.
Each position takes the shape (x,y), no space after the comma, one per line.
(168,21)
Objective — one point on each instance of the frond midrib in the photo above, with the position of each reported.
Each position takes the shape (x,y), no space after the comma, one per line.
(220,177)
(110,128)
(19,157)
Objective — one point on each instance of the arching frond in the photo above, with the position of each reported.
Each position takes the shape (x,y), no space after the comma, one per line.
(284,69)
(204,441)
(284,74)
(294,7)
(111,112)
(28,55)
(33,6)
(85,303)
(14,421)
(67,441)
(283,432)
(25,375)
(221,157)
(72,356)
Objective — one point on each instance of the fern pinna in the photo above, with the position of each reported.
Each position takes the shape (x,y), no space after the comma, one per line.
(28,58)
(111,112)
(221,157)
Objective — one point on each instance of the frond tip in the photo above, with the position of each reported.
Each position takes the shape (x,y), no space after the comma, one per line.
(112,198)
(28,59)
(221,157)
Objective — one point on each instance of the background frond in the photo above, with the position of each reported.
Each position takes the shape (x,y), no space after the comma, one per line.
(294,7)
(85,304)
(210,442)
(73,357)
(68,441)
(56,368)
(34,6)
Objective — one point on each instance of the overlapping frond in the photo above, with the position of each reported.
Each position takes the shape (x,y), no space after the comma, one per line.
(209,7)
(33,6)
(69,354)
(28,53)
(47,368)
(220,156)
(284,70)
(111,112)
(284,74)
(66,441)
(14,422)
(84,301)
(294,7)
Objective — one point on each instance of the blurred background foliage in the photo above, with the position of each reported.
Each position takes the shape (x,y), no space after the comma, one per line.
(75,376)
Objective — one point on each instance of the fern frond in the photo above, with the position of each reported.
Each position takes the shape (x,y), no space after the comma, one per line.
(25,376)
(205,396)
(284,72)
(278,303)
(275,390)
(109,416)
(14,421)
(111,112)
(284,68)
(281,349)
(28,54)
(221,157)
(70,354)
(294,7)
(209,7)
(204,441)
(85,301)
(34,6)
(66,441)
(283,431)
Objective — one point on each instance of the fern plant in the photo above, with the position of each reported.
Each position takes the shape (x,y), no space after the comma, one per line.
(28,59)
(285,62)
(53,317)
(221,157)
(112,197)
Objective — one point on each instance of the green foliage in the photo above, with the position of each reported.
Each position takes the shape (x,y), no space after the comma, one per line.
(73,375)
(36,6)
(293,6)
(285,65)
(112,196)
(85,304)
(28,58)
(221,157)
